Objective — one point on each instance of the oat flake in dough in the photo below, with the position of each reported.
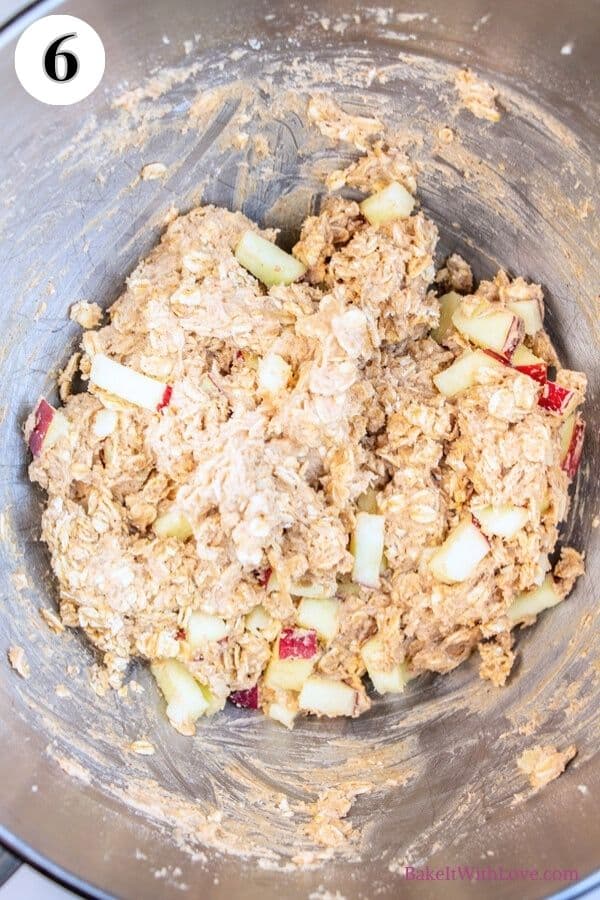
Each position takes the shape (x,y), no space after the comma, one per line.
(271,483)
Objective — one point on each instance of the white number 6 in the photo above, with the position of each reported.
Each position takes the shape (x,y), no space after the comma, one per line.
(59,60)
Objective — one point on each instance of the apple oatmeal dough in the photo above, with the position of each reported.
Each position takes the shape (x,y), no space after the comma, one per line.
(277,484)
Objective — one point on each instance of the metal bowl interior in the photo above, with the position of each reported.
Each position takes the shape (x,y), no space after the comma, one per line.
(206,814)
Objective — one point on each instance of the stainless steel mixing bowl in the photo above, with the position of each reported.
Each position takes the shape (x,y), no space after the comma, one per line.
(75,218)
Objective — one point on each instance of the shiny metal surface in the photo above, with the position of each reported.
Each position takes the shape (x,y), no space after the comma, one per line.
(74,224)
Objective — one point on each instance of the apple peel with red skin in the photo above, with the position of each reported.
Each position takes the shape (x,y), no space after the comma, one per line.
(49,425)
(572,458)
(247,699)
(498,330)
(529,364)
(166,398)
(44,413)
(499,357)
(263,576)
(555,397)
(297,643)
(537,371)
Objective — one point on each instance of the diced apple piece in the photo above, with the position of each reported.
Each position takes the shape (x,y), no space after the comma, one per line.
(385,680)
(172,524)
(539,373)
(531,311)
(502,521)
(461,374)
(297,643)
(129,385)
(542,569)
(216,702)
(320,614)
(186,699)
(49,425)
(498,357)
(308,589)
(105,422)
(299,588)
(258,620)
(292,663)
(273,374)
(460,554)
(204,627)
(572,434)
(366,547)
(327,697)
(59,428)
(530,364)
(282,714)
(391,203)
(43,415)
(266,261)
(524,357)
(245,699)
(531,603)
(448,306)
(495,329)
(458,377)
(392,681)
(288,674)
(555,397)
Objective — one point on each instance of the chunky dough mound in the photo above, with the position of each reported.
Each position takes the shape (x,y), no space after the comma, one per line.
(270,482)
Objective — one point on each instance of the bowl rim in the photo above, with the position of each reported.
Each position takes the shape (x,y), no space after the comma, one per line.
(43,864)
(22,849)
